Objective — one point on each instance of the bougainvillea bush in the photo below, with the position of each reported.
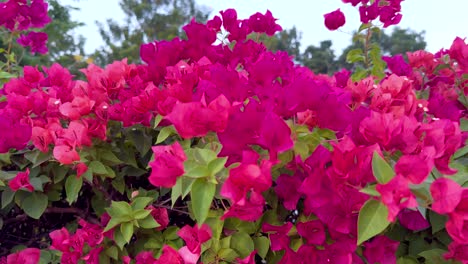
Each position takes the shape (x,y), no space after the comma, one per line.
(216,150)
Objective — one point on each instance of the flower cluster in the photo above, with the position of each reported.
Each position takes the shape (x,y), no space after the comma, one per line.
(387,11)
(22,15)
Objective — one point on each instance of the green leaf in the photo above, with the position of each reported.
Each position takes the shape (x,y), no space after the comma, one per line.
(35,204)
(97,167)
(354,56)
(109,156)
(176,191)
(140,139)
(112,252)
(37,184)
(242,243)
(59,172)
(120,209)
(113,222)
(204,156)
(364,26)
(217,165)
(72,188)
(141,202)
(157,120)
(127,231)
(165,133)
(140,214)
(370,190)
(148,222)
(434,256)
(7,197)
(227,254)
(372,220)
(359,74)
(119,239)
(119,184)
(37,157)
(381,170)
(155,242)
(171,233)
(262,245)
(200,171)
(202,194)
(437,221)
(6,75)
(407,260)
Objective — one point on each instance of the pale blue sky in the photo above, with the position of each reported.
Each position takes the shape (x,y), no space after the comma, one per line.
(442,20)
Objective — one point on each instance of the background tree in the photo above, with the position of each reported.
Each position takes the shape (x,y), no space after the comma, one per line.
(399,41)
(145,21)
(287,40)
(322,58)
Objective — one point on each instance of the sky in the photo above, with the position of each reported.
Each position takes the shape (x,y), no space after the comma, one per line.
(442,21)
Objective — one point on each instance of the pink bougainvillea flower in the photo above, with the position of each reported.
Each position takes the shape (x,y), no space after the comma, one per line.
(459,52)
(195,236)
(398,65)
(36,40)
(457,228)
(199,33)
(38,14)
(188,256)
(160,216)
(369,13)
(264,23)
(195,119)
(342,78)
(93,233)
(250,259)
(286,189)
(245,178)
(413,220)
(21,181)
(249,209)
(415,168)
(275,135)
(458,251)
(389,16)
(334,20)
(15,134)
(313,231)
(66,153)
(60,239)
(446,195)
(170,255)
(80,169)
(397,196)
(41,138)
(25,256)
(381,249)
(93,255)
(278,235)
(168,165)
(145,257)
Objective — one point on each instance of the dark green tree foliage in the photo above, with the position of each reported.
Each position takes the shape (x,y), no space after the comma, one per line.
(145,21)
(399,41)
(287,40)
(322,59)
